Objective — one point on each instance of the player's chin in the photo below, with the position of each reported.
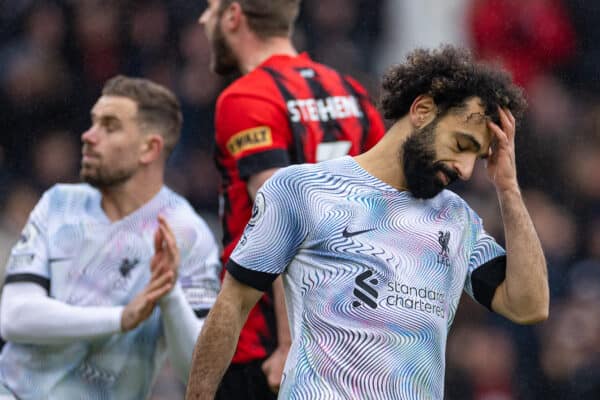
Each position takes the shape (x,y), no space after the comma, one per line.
(89,163)
(87,174)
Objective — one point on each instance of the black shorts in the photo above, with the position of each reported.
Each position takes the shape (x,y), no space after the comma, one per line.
(245,382)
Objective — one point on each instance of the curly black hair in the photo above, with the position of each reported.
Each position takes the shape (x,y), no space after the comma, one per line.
(450,76)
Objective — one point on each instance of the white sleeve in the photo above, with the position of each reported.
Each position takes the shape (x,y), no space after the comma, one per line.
(29,316)
(183,310)
(200,265)
(181,327)
(276,230)
(28,260)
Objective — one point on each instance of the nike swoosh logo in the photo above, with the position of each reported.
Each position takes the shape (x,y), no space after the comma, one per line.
(347,234)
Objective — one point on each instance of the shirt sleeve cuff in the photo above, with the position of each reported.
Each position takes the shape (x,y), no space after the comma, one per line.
(487,278)
(256,279)
(116,319)
(28,277)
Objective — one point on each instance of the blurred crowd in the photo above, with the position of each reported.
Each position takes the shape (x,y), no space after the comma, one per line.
(56,54)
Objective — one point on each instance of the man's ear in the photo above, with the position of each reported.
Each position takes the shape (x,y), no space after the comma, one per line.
(152,148)
(231,18)
(422,111)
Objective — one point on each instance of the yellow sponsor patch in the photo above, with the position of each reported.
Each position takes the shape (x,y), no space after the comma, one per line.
(249,139)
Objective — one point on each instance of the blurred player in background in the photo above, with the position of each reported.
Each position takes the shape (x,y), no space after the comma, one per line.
(285,109)
(100,289)
(376,253)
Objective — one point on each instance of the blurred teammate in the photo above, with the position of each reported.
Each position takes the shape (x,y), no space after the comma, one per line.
(99,289)
(285,109)
(375,252)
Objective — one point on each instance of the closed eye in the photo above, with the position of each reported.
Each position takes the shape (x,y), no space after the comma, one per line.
(461,148)
(471,143)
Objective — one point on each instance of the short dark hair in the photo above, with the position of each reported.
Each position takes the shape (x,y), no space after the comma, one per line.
(268,18)
(450,76)
(158,107)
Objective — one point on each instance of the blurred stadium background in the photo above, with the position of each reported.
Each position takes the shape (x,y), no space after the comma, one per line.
(56,54)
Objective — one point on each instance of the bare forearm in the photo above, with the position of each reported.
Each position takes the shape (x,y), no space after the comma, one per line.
(214,349)
(526,283)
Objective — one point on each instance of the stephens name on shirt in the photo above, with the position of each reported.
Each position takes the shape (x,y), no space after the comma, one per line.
(335,107)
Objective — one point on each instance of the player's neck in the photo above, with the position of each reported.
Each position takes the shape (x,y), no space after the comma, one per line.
(384,160)
(255,51)
(121,200)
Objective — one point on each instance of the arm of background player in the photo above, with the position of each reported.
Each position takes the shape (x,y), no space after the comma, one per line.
(216,344)
(257,139)
(30,316)
(257,180)
(181,323)
(182,328)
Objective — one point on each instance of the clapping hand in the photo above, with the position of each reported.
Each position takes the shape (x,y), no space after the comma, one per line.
(164,266)
(166,253)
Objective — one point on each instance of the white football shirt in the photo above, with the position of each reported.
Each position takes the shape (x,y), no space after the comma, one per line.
(372,278)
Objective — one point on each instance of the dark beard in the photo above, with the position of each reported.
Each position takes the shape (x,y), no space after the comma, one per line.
(223,60)
(420,167)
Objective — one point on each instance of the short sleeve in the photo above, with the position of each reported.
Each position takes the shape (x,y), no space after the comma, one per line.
(200,266)
(28,261)
(254,132)
(273,234)
(487,264)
